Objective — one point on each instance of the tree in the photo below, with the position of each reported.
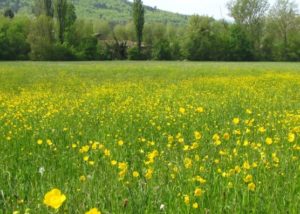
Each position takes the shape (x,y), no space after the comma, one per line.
(162,50)
(9,13)
(249,15)
(139,21)
(13,34)
(240,48)
(42,38)
(44,7)
(70,16)
(61,9)
(200,38)
(283,15)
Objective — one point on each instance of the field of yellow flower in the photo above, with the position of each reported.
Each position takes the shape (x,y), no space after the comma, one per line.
(149,137)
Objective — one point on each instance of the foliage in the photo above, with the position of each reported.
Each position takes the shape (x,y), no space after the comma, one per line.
(42,39)
(61,9)
(116,11)
(13,34)
(9,13)
(201,38)
(255,35)
(249,15)
(138,13)
(162,50)
(283,19)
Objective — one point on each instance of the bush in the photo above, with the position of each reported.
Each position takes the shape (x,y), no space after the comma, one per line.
(162,50)
(133,53)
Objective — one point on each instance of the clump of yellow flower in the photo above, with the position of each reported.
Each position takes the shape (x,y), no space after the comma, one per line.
(149,173)
(120,142)
(269,141)
(123,167)
(197,135)
(188,163)
(261,129)
(200,110)
(291,137)
(198,192)
(216,139)
(182,110)
(195,205)
(251,186)
(82,178)
(248,178)
(236,121)
(226,136)
(186,199)
(54,198)
(151,156)
(135,174)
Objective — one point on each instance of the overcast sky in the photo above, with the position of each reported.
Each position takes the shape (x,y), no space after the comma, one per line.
(215,8)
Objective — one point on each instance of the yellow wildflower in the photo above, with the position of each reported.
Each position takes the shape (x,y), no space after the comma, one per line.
(198,192)
(82,178)
(120,142)
(49,142)
(149,173)
(93,211)
(291,137)
(54,198)
(226,136)
(197,135)
(188,163)
(248,178)
(135,174)
(269,141)
(236,121)
(195,205)
(251,186)
(216,137)
(182,110)
(200,110)
(113,162)
(107,152)
(186,199)
(246,165)
(261,129)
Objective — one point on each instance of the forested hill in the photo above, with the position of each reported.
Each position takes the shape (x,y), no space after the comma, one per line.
(111,10)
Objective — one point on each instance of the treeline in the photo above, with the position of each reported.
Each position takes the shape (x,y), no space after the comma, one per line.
(259,32)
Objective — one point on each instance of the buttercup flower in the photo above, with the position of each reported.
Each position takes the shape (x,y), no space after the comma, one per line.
(54,198)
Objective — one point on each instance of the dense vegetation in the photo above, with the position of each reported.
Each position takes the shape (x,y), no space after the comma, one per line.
(260,32)
(117,11)
(149,137)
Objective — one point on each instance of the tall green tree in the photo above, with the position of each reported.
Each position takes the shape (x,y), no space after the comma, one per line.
(42,38)
(61,9)
(250,16)
(284,16)
(44,7)
(13,34)
(239,48)
(139,21)
(200,38)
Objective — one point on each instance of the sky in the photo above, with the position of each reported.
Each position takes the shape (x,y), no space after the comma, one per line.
(215,8)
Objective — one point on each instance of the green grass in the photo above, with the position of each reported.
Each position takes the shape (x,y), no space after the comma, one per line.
(155,108)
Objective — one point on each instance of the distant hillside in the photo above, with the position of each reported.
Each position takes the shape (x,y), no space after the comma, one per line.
(111,10)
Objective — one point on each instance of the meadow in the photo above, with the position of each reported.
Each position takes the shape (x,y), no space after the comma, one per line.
(149,137)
